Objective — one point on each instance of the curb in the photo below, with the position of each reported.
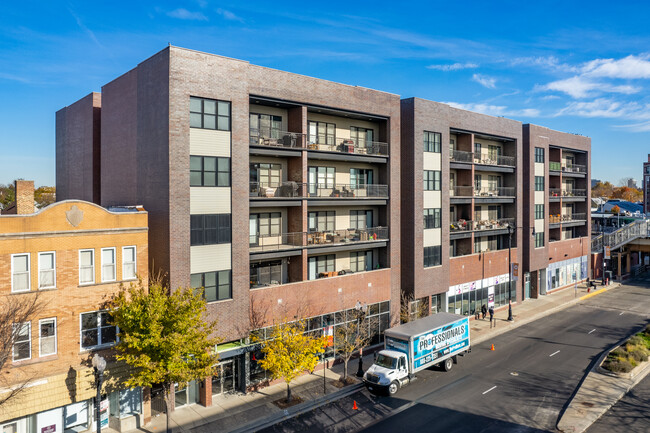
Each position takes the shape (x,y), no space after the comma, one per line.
(615,395)
(298,409)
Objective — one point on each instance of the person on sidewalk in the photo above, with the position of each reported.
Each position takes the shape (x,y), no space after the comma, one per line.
(492,317)
(483,310)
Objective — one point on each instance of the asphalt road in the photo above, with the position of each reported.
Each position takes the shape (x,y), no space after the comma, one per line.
(522,386)
(630,415)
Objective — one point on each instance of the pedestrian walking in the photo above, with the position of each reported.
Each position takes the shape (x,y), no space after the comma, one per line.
(483,311)
(491,311)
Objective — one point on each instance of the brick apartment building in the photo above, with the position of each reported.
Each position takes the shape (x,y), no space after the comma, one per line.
(72,255)
(285,196)
(277,192)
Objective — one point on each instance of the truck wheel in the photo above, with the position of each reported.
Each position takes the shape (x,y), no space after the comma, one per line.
(393,387)
(449,362)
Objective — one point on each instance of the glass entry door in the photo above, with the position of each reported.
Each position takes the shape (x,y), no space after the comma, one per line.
(226,379)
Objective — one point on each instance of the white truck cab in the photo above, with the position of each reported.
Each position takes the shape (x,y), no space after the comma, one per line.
(389,372)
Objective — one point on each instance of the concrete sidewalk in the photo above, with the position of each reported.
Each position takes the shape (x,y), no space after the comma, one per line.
(256,410)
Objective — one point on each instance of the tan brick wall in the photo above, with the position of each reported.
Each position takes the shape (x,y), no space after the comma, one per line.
(66,372)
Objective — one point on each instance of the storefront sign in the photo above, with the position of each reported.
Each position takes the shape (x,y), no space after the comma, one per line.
(49,429)
(515,272)
(328,333)
(607,253)
(490,296)
(103,413)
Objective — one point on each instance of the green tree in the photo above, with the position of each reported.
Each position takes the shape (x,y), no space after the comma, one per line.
(7,195)
(44,196)
(163,336)
(290,351)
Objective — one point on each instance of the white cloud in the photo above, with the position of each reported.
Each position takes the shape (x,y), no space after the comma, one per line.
(550,62)
(184,14)
(609,108)
(229,15)
(485,81)
(636,127)
(496,110)
(630,67)
(582,87)
(453,66)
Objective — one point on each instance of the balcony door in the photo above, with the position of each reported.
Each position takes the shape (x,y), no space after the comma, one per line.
(320,178)
(252,227)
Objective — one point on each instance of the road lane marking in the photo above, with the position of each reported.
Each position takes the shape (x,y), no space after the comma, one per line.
(621,313)
(554,353)
(591,331)
(489,390)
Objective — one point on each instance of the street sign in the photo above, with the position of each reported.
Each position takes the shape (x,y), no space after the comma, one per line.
(607,252)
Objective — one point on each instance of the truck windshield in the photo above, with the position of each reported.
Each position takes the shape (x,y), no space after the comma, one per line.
(386,361)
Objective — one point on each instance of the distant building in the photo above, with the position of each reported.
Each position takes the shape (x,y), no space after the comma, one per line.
(646,186)
(631,183)
(595,182)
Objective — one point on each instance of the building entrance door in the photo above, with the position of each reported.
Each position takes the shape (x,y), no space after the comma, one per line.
(226,379)
(527,285)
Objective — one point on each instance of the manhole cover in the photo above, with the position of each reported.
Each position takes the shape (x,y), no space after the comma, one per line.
(587,404)
(514,373)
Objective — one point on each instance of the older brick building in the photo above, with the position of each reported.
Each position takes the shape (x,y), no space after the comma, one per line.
(72,255)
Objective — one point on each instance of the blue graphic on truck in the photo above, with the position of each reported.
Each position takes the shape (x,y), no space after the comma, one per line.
(440,342)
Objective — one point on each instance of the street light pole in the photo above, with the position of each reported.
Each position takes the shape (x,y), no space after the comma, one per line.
(361,315)
(99,364)
(511,229)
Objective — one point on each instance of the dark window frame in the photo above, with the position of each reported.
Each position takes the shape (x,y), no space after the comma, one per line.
(432,141)
(218,284)
(218,114)
(539,155)
(432,180)
(432,256)
(202,171)
(539,183)
(539,239)
(539,211)
(210,229)
(432,218)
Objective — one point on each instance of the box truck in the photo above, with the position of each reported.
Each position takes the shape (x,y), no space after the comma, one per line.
(417,345)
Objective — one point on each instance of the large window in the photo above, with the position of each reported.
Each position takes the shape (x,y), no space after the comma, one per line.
(209,114)
(23,341)
(47,336)
(108,265)
(539,211)
(20,273)
(361,261)
(539,154)
(265,125)
(432,180)
(360,177)
(432,218)
(432,141)
(209,171)
(321,221)
(217,285)
(269,224)
(46,270)
(210,229)
(539,240)
(432,256)
(321,264)
(96,329)
(268,175)
(266,273)
(361,219)
(322,133)
(362,137)
(539,183)
(86,266)
(129,263)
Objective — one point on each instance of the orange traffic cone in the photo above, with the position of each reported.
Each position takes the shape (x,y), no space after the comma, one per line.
(492,348)
(354,406)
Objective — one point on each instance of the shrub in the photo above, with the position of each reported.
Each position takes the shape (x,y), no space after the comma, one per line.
(638,355)
(618,353)
(636,340)
(618,366)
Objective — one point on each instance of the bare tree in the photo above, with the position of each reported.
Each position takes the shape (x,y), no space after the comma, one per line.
(14,312)
(349,338)
(412,309)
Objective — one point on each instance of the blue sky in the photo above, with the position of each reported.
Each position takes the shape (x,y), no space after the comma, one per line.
(562,64)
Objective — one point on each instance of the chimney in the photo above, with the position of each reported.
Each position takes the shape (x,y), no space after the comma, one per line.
(24,197)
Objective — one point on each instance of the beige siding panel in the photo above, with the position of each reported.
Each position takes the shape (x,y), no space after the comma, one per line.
(208,258)
(208,142)
(432,161)
(205,200)
(432,199)
(539,226)
(342,261)
(432,237)
(539,198)
(539,169)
